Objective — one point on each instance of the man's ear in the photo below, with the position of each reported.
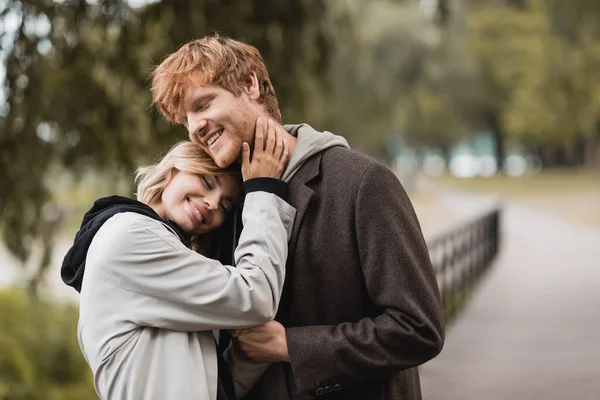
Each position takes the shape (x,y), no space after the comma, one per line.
(252,87)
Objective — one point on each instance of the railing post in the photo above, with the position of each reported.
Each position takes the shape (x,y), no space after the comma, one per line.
(461,256)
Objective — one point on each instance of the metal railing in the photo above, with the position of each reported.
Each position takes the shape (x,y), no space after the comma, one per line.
(461,255)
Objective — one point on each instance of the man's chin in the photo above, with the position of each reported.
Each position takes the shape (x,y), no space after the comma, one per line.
(225,162)
(227,159)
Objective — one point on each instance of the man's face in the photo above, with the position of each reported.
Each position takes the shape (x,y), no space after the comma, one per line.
(219,122)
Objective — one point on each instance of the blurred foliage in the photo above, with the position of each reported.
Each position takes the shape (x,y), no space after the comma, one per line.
(539,63)
(383,73)
(391,78)
(40,358)
(380,72)
(525,70)
(77,89)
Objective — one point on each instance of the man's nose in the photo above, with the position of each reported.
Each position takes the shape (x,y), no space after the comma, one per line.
(196,129)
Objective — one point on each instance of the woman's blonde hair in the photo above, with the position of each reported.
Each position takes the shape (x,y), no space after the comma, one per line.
(184,156)
(187,157)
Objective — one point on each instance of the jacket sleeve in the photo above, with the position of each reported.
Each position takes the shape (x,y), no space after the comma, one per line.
(166,285)
(409,327)
(245,372)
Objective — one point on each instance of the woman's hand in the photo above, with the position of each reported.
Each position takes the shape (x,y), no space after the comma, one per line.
(270,153)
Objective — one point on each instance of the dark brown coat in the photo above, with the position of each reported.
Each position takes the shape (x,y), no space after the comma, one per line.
(360,305)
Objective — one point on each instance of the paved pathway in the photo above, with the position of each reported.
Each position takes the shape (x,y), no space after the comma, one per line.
(532,329)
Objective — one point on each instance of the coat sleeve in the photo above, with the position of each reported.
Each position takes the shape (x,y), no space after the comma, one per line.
(409,327)
(245,372)
(166,285)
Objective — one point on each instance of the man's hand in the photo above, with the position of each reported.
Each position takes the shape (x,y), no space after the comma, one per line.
(265,343)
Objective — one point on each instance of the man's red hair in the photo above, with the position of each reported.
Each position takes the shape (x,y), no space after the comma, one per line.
(212,60)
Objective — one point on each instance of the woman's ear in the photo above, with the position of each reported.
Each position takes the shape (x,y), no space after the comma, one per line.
(252,87)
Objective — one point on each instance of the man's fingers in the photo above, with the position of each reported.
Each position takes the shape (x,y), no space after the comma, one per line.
(271,137)
(259,141)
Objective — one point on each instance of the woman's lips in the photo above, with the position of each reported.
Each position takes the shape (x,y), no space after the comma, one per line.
(197,212)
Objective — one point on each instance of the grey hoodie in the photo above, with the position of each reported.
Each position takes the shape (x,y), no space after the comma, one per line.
(310,142)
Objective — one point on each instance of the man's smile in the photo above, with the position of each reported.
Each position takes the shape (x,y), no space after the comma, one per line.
(212,137)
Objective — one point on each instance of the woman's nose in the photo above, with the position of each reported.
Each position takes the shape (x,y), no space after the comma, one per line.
(212,203)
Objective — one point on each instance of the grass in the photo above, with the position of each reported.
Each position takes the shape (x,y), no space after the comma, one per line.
(570,194)
(553,182)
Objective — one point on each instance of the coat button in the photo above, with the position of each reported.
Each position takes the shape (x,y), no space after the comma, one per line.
(337,387)
(328,389)
(320,391)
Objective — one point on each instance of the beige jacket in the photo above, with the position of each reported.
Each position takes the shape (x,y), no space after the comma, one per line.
(149,304)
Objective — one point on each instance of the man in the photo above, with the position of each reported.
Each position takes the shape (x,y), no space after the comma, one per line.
(360,308)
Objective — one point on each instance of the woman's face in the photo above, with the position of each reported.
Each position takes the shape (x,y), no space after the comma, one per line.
(199,203)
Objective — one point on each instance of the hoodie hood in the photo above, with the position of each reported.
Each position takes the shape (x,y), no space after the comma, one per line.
(73,265)
(310,142)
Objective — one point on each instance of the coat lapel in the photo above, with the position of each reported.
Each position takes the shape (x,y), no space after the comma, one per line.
(299,194)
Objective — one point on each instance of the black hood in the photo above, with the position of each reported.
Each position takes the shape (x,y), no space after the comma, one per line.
(73,264)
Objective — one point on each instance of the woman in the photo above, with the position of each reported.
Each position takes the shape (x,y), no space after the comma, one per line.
(148,302)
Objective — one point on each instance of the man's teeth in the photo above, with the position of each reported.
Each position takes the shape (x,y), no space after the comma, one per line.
(215,137)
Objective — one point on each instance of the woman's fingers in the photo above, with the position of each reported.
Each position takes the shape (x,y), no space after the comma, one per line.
(278,153)
(259,141)
(270,153)
(246,168)
(271,137)
(285,154)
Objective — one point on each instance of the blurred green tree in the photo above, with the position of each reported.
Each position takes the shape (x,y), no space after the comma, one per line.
(497,36)
(77,96)
(557,104)
(396,74)
(537,62)
(36,366)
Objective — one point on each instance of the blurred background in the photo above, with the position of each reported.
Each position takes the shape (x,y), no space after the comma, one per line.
(488,110)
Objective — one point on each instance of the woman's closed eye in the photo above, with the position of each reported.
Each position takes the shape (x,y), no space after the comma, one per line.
(226,205)
(207,183)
